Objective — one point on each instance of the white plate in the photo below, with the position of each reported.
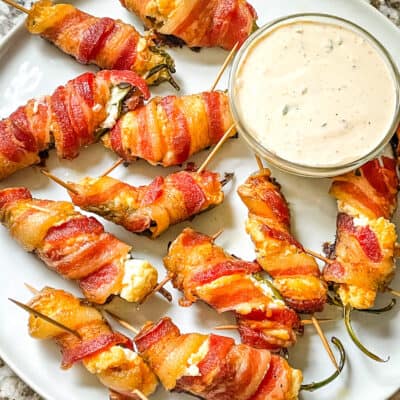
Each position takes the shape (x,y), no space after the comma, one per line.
(31,67)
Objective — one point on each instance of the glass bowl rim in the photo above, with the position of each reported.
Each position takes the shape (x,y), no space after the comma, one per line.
(297,168)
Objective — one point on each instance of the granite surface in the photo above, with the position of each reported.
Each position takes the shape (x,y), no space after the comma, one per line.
(11,387)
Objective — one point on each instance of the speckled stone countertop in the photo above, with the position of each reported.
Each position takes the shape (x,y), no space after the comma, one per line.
(11,387)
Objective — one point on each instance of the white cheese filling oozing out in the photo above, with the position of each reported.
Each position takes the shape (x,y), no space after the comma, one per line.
(192,369)
(110,358)
(113,106)
(268,291)
(139,279)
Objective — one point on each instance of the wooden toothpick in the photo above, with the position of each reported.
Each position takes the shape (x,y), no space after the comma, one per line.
(31,288)
(304,322)
(139,394)
(324,341)
(115,165)
(17,6)
(393,292)
(46,318)
(122,322)
(216,149)
(217,235)
(259,162)
(156,288)
(319,256)
(224,65)
(60,182)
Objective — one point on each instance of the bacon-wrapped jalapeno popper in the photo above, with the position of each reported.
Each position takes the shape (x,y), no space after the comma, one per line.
(296,274)
(213,367)
(204,271)
(198,23)
(74,116)
(150,209)
(105,42)
(363,254)
(107,354)
(168,130)
(76,247)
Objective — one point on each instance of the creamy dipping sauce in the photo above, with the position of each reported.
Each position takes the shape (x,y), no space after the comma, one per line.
(316,94)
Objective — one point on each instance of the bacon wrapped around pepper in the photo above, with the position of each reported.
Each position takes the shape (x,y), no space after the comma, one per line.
(76,247)
(204,271)
(168,130)
(73,117)
(296,274)
(363,254)
(213,367)
(105,42)
(107,354)
(198,23)
(150,209)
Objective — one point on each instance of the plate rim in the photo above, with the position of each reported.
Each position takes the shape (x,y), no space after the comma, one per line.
(17,29)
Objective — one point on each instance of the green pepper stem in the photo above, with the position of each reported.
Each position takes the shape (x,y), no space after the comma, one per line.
(310,387)
(334,300)
(354,338)
(273,288)
(380,310)
(228,177)
(164,70)
(255,27)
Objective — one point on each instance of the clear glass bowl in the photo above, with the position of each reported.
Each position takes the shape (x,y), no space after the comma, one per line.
(289,166)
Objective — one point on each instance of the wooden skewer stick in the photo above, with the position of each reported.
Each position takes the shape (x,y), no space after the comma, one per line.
(217,235)
(315,322)
(229,131)
(259,162)
(397,250)
(216,149)
(115,165)
(122,322)
(17,6)
(226,327)
(31,288)
(156,288)
(393,292)
(139,394)
(224,65)
(304,322)
(319,256)
(59,181)
(324,341)
(45,318)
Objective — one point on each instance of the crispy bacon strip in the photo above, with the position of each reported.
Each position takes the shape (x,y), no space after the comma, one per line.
(296,274)
(363,253)
(198,23)
(168,130)
(107,354)
(73,245)
(204,271)
(68,120)
(150,209)
(213,367)
(105,42)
